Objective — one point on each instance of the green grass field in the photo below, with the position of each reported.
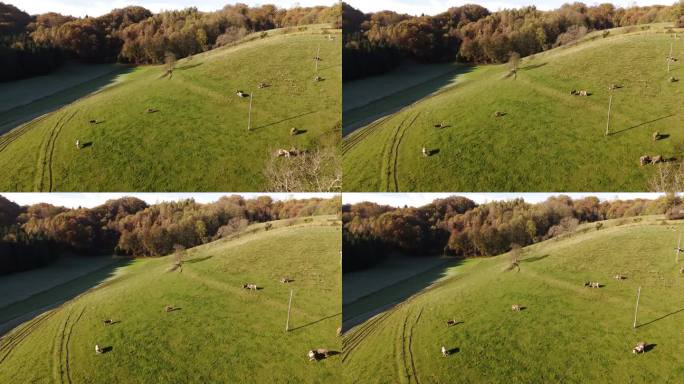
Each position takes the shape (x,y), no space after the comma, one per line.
(198,139)
(566,334)
(547,139)
(221,333)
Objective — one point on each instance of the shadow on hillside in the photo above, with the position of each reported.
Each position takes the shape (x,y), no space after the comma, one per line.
(356,118)
(365,307)
(661,318)
(24,310)
(641,124)
(284,120)
(315,322)
(16,116)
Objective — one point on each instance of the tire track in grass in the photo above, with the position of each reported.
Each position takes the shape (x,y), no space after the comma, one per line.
(16,133)
(404,368)
(52,150)
(388,167)
(414,372)
(60,351)
(396,153)
(349,142)
(13,339)
(66,359)
(360,334)
(42,159)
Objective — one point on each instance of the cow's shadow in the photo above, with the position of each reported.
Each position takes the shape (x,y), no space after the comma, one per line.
(454,351)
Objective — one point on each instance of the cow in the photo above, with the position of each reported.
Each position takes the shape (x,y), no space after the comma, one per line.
(592,284)
(645,160)
(640,348)
(619,277)
(285,280)
(657,159)
(318,354)
(583,93)
(516,307)
(250,286)
(451,322)
(425,152)
(78,144)
(282,153)
(169,308)
(98,350)
(445,352)
(108,322)
(241,94)
(498,114)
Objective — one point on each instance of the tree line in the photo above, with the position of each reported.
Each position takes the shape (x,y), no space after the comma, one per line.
(32,236)
(459,227)
(33,45)
(375,43)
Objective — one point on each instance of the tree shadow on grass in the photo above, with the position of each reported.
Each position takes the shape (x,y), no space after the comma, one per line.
(198,260)
(189,66)
(531,67)
(534,258)
(315,322)
(284,120)
(641,124)
(661,318)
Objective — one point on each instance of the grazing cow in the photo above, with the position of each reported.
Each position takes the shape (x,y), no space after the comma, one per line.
(656,136)
(450,322)
(78,144)
(592,284)
(250,286)
(318,78)
(169,308)
(262,85)
(614,86)
(657,159)
(445,353)
(283,153)
(425,152)
(108,321)
(294,131)
(285,280)
(619,277)
(93,121)
(498,114)
(318,354)
(241,94)
(151,110)
(516,307)
(673,79)
(339,331)
(644,160)
(98,350)
(583,93)
(640,348)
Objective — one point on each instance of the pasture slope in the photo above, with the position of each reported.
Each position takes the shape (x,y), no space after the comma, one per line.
(221,333)
(566,333)
(197,140)
(546,139)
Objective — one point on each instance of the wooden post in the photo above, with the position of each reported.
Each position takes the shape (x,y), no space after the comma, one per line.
(636,310)
(610,104)
(289,306)
(249,121)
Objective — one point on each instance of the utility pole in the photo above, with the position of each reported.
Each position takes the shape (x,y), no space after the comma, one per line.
(636,310)
(289,306)
(249,119)
(610,104)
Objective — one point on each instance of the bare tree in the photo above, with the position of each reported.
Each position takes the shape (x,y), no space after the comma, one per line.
(178,253)
(169,63)
(319,170)
(668,177)
(514,63)
(233,227)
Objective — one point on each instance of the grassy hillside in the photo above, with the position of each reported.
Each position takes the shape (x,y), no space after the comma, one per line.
(547,139)
(221,333)
(566,333)
(198,139)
